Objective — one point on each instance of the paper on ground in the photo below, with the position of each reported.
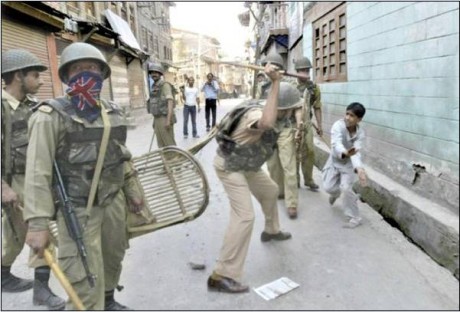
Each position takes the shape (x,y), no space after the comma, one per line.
(276,288)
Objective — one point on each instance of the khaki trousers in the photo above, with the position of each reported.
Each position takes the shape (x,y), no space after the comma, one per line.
(165,137)
(282,167)
(105,238)
(239,186)
(307,160)
(12,244)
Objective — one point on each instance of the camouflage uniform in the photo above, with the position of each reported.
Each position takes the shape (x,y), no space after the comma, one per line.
(160,95)
(54,131)
(58,134)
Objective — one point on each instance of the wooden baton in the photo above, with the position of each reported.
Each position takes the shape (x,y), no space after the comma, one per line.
(63,280)
(256,67)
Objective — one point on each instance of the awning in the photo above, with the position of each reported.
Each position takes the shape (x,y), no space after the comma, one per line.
(120,26)
(280,40)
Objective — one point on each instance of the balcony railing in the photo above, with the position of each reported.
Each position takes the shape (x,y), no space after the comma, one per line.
(273,21)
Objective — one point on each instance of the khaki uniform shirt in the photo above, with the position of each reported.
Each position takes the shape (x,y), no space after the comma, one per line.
(17,183)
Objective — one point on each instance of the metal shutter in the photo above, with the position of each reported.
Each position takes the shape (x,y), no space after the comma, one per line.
(21,36)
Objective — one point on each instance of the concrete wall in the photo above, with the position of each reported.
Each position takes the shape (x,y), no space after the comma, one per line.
(403,66)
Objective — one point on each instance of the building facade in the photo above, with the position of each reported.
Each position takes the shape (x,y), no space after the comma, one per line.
(46,28)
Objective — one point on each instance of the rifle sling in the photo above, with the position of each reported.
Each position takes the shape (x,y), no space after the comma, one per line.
(100,160)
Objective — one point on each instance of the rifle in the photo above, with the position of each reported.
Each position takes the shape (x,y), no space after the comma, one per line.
(72,223)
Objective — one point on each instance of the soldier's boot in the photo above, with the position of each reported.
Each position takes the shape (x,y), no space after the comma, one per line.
(111,304)
(11,283)
(43,296)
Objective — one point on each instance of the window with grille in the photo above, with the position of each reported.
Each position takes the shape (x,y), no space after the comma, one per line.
(330,46)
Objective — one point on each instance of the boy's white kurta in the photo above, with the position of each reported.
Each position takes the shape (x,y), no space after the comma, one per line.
(339,173)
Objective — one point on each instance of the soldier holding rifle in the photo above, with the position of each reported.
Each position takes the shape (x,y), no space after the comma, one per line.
(77,145)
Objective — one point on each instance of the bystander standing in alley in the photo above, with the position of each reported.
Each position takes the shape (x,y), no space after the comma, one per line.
(191,99)
(211,91)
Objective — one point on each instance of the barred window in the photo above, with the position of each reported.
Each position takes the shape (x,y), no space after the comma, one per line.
(330,46)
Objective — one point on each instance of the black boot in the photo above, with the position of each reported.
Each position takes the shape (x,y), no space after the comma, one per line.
(11,283)
(42,293)
(111,304)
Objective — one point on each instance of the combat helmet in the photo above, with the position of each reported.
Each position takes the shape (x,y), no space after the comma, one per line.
(288,96)
(273,58)
(156,67)
(302,63)
(81,51)
(19,59)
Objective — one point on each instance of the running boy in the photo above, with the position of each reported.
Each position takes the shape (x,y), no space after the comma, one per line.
(344,164)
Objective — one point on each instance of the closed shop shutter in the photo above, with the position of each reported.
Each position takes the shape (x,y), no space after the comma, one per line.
(120,83)
(21,36)
(136,84)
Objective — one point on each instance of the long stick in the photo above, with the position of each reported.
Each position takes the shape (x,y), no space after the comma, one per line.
(151,142)
(64,281)
(256,67)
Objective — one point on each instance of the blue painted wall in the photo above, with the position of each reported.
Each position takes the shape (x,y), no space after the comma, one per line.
(403,65)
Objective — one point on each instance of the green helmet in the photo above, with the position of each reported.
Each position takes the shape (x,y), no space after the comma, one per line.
(81,51)
(288,97)
(273,58)
(156,67)
(18,59)
(302,63)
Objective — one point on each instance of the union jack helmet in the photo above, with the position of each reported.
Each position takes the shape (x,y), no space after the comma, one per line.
(81,51)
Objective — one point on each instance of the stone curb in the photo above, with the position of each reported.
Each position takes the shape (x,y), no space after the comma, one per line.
(432,227)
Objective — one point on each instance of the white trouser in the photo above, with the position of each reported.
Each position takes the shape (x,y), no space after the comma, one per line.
(341,180)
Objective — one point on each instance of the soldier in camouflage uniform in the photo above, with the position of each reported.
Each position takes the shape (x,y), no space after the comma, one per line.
(282,165)
(21,74)
(68,130)
(161,106)
(312,105)
(246,138)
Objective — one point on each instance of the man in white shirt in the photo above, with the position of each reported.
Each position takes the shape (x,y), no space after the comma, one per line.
(191,101)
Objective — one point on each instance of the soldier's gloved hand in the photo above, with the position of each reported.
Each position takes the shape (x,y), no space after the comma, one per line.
(9,196)
(38,241)
(319,131)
